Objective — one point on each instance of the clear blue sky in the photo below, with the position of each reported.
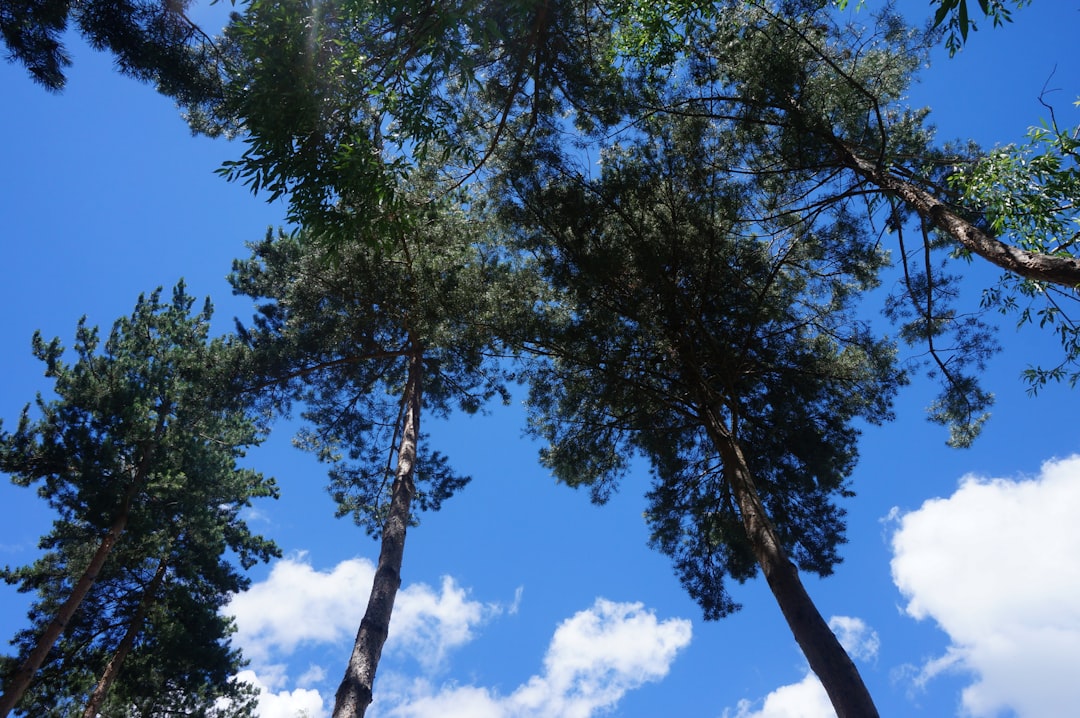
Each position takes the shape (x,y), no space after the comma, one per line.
(520,598)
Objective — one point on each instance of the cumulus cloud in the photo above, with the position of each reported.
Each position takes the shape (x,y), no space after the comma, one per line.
(299,703)
(427,624)
(298,605)
(594,658)
(807,698)
(995,566)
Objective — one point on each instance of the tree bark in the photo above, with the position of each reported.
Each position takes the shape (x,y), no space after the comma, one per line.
(22,677)
(135,626)
(826,656)
(354,695)
(1064,271)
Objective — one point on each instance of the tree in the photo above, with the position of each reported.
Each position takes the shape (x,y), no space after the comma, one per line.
(462,83)
(721,347)
(147,640)
(336,101)
(369,337)
(811,102)
(138,456)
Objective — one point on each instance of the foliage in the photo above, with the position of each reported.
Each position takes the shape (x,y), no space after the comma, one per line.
(674,304)
(152,41)
(817,107)
(340,101)
(1031,192)
(142,435)
(954,16)
(336,327)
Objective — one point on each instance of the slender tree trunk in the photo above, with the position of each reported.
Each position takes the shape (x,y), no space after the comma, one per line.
(826,656)
(24,675)
(354,694)
(1064,271)
(135,626)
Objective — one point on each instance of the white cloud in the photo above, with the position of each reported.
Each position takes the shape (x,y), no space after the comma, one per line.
(594,658)
(807,698)
(300,703)
(298,605)
(857,638)
(426,625)
(995,565)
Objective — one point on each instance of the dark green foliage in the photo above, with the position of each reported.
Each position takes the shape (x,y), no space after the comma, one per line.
(337,326)
(811,113)
(678,314)
(143,431)
(151,40)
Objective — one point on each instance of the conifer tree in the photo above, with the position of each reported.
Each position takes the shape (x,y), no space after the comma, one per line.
(369,337)
(722,347)
(138,456)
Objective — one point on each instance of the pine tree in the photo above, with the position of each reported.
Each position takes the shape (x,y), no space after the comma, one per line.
(369,337)
(722,347)
(138,456)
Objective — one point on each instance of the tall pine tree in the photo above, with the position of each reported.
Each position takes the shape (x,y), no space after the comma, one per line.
(138,455)
(369,337)
(722,347)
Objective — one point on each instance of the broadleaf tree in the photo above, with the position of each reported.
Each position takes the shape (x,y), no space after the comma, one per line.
(336,101)
(138,455)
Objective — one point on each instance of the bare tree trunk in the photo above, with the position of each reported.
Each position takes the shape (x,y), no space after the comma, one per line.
(135,626)
(22,677)
(354,694)
(826,656)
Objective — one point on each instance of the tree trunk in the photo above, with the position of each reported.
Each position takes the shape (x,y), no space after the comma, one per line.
(22,677)
(354,694)
(824,653)
(1064,271)
(135,626)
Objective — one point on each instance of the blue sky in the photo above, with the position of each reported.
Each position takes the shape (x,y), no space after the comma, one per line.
(958,590)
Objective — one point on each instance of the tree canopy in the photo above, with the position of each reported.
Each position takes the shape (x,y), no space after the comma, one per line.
(697,299)
(138,456)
